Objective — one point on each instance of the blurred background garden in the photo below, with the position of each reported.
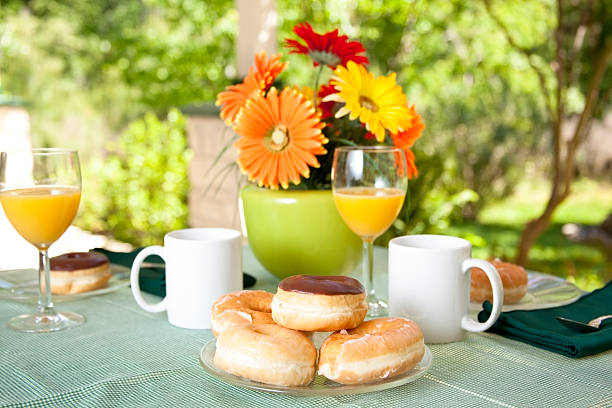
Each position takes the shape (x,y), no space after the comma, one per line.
(501,88)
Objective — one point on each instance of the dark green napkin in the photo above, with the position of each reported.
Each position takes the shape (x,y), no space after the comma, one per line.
(540,328)
(153,279)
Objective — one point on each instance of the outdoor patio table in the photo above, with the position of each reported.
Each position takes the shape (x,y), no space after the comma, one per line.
(124,356)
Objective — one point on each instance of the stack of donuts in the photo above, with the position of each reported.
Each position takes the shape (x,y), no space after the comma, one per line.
(268,338)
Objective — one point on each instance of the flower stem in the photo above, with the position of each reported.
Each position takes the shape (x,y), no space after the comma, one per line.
(316,86)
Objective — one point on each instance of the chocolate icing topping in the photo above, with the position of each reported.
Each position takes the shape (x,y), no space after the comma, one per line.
(77,260)
(322,285)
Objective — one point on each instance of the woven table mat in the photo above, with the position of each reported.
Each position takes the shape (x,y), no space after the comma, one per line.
(124,356)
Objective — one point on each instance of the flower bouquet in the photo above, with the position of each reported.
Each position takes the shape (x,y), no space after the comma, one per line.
(286,141)
(288,136)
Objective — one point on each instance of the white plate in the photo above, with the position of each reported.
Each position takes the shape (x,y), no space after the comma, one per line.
(321,386)
(543,291)
(22,285)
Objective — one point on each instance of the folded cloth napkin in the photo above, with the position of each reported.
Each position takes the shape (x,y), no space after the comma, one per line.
(540,328)
(152,279)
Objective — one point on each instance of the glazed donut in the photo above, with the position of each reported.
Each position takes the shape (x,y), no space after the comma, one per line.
(239,308)
(267,353)
(377,349)
(77,272)
(319,303)
(514,280)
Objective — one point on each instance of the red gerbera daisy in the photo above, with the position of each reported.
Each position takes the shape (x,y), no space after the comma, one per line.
(326,108)
(328,49)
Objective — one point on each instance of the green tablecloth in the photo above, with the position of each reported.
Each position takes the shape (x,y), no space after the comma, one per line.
(124,356)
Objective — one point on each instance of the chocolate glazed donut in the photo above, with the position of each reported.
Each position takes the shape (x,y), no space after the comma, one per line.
(78,272)
(319,303)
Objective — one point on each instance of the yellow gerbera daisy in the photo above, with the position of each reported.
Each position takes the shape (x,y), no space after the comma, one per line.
(304,90)
(378,102)
(280,136)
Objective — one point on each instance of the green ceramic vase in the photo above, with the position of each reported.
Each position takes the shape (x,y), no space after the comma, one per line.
(293,232)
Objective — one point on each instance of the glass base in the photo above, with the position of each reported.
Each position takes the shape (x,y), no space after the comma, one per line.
(45,322)
(376,307)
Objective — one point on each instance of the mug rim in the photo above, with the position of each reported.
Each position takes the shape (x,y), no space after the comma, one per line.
(204,234)
(442,242)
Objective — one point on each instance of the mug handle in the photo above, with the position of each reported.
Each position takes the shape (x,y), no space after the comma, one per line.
(467,322)
(150,250)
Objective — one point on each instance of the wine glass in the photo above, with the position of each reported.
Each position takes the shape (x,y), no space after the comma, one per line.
(369,186)
(40,190)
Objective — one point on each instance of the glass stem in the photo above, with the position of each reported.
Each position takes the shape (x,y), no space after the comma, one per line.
(45,305)
(368,268)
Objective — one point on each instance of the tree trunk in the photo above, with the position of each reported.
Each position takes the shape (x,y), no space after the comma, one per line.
(564,150)
(564,164)
(536,227)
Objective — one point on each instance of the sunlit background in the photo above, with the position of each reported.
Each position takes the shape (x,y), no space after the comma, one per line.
(132,84)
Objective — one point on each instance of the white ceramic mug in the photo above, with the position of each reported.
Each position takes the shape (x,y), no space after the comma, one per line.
(429,282)
(202,264)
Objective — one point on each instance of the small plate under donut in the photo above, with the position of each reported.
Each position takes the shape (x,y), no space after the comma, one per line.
(22,285)
(543,291)
(321,386)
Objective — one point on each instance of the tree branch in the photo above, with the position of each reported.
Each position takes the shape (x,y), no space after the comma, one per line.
(560,62)
(528,53)
(579,35)
(600,66)
(607,95)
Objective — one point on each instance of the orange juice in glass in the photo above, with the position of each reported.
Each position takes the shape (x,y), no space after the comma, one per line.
(29,210)
(369,211)
(369,186)
(40,190)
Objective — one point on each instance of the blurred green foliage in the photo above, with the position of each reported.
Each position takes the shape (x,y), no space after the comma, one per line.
(140,189)
(99,68)
(109,62)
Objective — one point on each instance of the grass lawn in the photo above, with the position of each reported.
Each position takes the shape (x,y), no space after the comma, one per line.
(498,229)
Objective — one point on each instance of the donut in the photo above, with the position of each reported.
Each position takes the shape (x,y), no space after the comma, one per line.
(319,303)
(267,353)
(239,308)
(77,272)
(376,349)
(514,280)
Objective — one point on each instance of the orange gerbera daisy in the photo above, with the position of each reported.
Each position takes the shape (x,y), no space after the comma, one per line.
(280,136)
(406,138)
(267,69)
(259,79)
